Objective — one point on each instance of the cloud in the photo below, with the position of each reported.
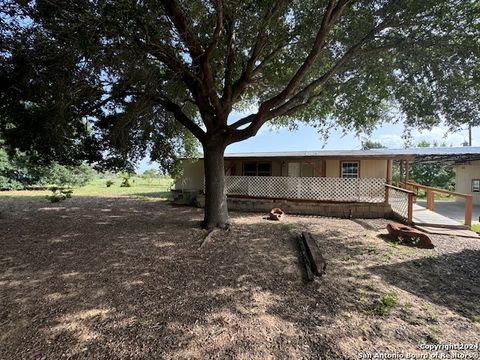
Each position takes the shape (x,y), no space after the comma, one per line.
(439,135)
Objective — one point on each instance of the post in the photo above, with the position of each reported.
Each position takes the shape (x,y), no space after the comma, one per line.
(410,209)
(468,210)
(389,171)
(407,170)
(430,200)
(386,194)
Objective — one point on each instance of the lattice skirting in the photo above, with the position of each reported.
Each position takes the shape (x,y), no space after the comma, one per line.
(308,188)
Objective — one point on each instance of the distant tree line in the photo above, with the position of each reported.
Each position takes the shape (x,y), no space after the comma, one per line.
(18,172)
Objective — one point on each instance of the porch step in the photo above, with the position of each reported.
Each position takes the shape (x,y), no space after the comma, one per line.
(449,232)
(444,226)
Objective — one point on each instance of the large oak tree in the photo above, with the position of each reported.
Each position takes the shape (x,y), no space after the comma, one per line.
(119,76)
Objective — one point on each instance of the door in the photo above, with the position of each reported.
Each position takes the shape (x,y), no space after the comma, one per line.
(294,169)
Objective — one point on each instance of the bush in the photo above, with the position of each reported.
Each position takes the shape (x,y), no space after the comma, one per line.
(59,194)
(65,176)
(109,183)
(126,182)
(9,184)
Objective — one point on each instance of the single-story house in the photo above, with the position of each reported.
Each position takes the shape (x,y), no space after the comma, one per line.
(338,183)
(346,183)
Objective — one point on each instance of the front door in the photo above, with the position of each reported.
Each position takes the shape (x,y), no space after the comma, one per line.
(294,169)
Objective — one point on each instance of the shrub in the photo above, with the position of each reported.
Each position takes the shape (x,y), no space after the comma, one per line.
(59,194)
(9,184)
(64,175)
(109,183)
(386,304)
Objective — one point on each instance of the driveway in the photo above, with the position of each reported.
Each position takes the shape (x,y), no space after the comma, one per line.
(453,209)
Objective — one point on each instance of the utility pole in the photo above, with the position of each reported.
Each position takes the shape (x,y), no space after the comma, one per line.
(470,134)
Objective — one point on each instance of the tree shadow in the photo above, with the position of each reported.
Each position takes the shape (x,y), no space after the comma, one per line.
(449,280)
(124,278)
(160,195)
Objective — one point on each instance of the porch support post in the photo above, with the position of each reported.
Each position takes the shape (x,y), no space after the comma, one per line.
(468,210)
(410,208)
(389,172)
(430,200)
(407,170)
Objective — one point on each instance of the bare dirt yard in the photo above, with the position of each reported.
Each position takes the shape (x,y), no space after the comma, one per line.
(121,278)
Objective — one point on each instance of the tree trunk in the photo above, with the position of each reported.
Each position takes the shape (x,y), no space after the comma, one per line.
(216,212)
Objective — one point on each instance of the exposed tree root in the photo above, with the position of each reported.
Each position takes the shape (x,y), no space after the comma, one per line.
(208,237)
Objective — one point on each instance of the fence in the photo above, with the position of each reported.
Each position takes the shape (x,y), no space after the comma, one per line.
(401,201)
(307,188)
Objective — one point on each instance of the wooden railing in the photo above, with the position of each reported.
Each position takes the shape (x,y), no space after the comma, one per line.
(401,201)
(430,192)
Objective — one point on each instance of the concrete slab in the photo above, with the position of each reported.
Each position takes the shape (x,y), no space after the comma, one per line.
(422,216)
(453,210)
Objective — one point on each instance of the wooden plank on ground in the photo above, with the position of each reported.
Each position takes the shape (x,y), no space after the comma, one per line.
(306,260)
(314,254)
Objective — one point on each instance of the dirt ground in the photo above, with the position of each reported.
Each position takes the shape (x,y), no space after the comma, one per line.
(118,278)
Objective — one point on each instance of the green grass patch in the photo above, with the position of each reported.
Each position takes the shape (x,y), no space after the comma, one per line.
(157,188)
(386,304)
(476,227)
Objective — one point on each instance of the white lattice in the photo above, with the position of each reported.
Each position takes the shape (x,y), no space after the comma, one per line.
(308,188)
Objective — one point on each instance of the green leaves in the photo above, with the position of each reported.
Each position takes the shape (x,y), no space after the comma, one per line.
(114,79)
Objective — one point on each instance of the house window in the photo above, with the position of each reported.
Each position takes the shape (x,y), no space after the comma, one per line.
(264,169)
(349,169)
(476,185)
(257,169)
(250,169)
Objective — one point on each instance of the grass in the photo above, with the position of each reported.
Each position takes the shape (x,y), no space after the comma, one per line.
(141,188)
(476,228)
(386,304)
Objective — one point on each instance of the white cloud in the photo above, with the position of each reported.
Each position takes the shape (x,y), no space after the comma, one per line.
(439,135)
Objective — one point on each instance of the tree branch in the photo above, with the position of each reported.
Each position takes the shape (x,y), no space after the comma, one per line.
(240,85)
(332,13)
(180,116)
(302,98)
(177,16)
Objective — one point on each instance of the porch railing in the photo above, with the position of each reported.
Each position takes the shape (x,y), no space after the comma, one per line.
(401,201)
(307,188)
(431,191)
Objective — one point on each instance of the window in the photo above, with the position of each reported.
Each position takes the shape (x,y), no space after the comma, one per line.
(349,169)
(250,169)
(264,169)
(476,185)
(257,169)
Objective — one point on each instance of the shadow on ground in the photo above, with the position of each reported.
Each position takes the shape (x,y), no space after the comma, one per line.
(121,278)
(448,280)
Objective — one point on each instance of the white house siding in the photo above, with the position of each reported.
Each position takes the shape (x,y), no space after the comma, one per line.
(464,174)
(193,174)
(192,177)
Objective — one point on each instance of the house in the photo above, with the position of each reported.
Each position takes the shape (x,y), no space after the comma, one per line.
(467,179)
(348,183)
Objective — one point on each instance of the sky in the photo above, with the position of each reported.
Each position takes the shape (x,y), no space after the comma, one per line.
(306,138)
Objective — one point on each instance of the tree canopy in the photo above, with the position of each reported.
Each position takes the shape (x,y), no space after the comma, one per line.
(113,80)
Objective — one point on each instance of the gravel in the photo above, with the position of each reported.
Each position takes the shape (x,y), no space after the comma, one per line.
(122,278)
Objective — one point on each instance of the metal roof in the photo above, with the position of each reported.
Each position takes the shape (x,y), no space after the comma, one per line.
(320,153)
(421,154)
